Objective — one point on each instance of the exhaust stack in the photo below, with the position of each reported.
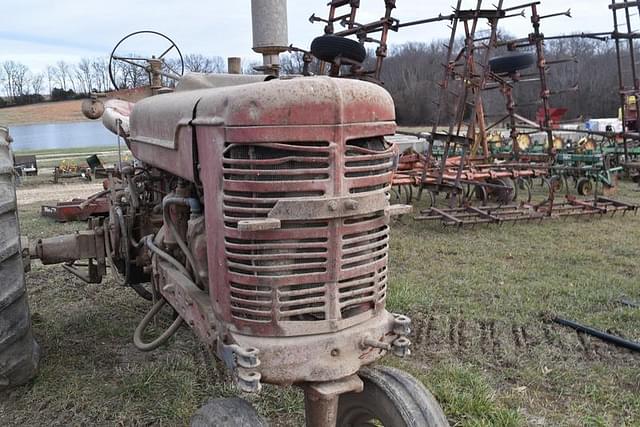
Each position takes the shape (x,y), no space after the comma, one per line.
(270,34)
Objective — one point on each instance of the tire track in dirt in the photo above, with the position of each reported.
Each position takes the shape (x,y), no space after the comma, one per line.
(505,341)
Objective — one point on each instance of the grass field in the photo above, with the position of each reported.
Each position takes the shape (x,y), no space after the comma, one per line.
(46,112)
(480,300)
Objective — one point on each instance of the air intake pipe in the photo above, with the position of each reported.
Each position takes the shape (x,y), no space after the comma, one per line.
(270,34)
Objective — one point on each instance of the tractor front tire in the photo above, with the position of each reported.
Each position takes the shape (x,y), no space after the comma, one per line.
(231,412)
(19,352)
(391,398)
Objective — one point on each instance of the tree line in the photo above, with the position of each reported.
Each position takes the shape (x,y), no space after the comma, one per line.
(587,85)
(65,80)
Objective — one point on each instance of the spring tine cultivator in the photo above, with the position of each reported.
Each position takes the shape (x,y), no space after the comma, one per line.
(499,214)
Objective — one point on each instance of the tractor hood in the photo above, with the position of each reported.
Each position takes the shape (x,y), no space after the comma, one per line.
(305,101)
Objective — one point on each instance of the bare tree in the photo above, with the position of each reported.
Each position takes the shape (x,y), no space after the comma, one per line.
(21,80)
(83,75)
(15,79)
(291,63)
(100,74)
(8,79)
(37,81)
(199,63)
(3,79)
(51,73)
(62,74)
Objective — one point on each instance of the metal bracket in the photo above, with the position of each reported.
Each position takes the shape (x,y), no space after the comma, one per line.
(259,224)
(401,325)
(330,389)
(243,362)
(328,207)
(395,210)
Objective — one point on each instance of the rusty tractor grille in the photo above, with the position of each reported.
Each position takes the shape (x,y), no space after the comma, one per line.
(279,269)
(365,245)
(318,271)
(369,164)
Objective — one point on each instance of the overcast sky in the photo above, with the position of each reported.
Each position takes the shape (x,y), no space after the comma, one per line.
(41,32)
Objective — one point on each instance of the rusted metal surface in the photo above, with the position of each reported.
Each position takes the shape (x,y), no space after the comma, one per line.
(292,263)
(626,65)
(77,209)
(321,399)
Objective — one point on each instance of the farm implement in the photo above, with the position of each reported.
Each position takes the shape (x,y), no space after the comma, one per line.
(78,209)
(500,214)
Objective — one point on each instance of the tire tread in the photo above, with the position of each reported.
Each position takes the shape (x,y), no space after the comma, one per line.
(19,352)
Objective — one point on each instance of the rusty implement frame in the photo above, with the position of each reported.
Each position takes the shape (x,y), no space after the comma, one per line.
(344,13)
(629,85)
(78,209)
(464,78)
(499,214)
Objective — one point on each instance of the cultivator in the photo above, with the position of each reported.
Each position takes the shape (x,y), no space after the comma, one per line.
(469,161)
(500,214)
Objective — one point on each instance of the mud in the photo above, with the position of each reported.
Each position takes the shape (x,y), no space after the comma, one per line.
(506,342)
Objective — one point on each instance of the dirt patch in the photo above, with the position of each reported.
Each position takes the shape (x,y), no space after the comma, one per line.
(57,192)
(46,112)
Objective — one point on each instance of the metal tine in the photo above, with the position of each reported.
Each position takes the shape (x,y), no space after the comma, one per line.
(522,13)
(567,13)
(562,61)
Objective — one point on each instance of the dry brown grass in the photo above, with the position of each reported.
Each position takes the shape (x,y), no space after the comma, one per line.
(48,112)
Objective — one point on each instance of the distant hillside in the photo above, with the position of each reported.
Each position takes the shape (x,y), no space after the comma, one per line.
(47,112)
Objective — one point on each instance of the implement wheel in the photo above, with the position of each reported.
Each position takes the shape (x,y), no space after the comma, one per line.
(524,190)
(391,398)
(328,48)
(19,353)
(232,412)
(557,183)
(585,187)
(512,63)
(480,193)
(505,195)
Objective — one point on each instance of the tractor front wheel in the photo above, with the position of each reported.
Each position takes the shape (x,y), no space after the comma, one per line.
(19,352)
(390,398)
(232,412)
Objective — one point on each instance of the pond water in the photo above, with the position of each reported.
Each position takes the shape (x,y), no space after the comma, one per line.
(46,136)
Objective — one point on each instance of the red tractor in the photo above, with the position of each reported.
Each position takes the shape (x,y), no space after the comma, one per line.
(258,209)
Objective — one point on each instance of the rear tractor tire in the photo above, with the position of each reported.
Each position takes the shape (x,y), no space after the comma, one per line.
(19,352)
(391,398)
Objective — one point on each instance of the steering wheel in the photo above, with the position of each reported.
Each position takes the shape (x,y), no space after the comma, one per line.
(166,70)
